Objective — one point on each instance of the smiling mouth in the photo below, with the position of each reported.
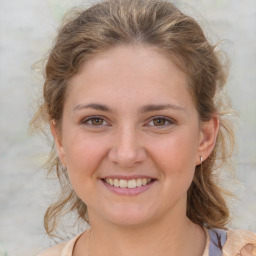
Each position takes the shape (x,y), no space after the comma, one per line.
(133,183)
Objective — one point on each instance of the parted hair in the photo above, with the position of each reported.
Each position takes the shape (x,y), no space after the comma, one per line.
(160,24)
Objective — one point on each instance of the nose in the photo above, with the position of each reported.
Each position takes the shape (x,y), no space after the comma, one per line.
(127,148)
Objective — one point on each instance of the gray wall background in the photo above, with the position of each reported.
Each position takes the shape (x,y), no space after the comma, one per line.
(27,28)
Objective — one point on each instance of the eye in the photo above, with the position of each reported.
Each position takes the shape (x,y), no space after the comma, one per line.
(94,121)
(160,122)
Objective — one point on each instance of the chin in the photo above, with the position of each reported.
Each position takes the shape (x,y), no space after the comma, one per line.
(129,217)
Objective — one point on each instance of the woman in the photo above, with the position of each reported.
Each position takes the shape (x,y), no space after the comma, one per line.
(133,95)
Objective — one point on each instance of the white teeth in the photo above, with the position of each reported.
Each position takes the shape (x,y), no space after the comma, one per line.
(139,182)
(144,181)
(132,184)
(123,183)
(128,183)
(116,182)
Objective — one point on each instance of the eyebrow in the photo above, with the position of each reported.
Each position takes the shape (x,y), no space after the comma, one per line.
(96,106)
(153,107)
(144,109)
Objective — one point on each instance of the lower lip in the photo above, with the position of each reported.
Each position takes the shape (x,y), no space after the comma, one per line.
(129,191)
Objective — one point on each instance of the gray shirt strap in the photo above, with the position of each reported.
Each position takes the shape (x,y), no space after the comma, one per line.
(218,237)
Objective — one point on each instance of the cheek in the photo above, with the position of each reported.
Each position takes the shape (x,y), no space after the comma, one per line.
(176,156)
(84,154)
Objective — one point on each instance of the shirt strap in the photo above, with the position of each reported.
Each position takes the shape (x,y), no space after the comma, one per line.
(218,238)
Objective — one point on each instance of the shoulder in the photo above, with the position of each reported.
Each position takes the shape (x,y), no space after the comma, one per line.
(62,249)
(53,251)
(231,242)
(236,240)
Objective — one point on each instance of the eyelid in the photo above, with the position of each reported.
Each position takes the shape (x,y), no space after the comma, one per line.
(85,121)
(170,121)
(167,119)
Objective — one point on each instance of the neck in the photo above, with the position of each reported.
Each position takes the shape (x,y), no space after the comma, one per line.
(162,237)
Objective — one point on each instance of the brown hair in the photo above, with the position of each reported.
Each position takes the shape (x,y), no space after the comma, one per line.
(148,22)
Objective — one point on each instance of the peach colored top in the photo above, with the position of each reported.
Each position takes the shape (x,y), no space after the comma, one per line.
(236,240)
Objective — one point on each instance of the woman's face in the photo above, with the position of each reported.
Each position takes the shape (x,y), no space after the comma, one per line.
(130,136)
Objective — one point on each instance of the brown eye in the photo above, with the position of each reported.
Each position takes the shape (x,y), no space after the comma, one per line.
(159,121)
(96,121)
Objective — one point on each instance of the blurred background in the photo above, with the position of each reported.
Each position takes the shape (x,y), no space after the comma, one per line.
(27,28)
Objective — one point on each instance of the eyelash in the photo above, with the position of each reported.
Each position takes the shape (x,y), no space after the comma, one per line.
(167,121)
(91,118)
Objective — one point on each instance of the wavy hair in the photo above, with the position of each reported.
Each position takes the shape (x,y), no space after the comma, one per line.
(157,23)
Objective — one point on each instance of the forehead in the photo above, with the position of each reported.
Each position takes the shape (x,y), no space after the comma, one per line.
(141,72)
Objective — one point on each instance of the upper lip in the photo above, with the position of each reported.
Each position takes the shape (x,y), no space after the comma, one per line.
(122,177)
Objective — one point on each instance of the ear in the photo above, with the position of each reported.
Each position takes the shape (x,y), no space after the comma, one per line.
(58,142)
(208,136)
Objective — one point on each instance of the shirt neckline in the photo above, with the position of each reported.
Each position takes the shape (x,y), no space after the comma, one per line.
(69,247)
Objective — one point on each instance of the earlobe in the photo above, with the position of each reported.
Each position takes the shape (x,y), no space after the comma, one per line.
(209,132)
(58,142)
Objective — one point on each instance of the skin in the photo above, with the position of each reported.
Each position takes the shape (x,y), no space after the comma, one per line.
(109,130)
(248,250)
